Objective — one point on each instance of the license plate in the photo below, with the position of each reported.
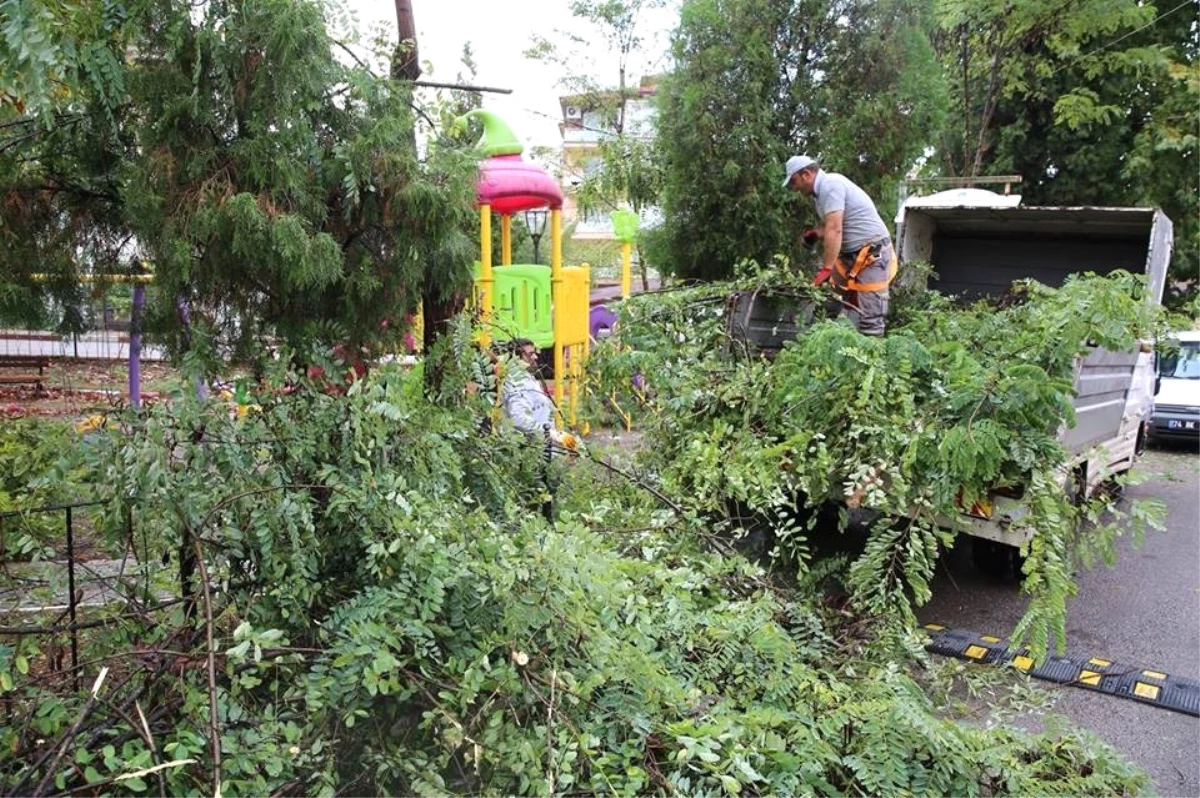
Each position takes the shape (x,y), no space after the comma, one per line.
(1176,424)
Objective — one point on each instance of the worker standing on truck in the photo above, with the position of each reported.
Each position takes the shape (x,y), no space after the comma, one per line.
(858,252)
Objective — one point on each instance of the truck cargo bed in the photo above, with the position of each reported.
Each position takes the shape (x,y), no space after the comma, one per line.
(979,249)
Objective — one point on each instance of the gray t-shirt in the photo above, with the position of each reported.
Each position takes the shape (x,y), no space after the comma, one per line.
(861,224)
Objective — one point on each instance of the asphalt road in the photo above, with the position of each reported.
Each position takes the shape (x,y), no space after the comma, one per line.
(1145,611)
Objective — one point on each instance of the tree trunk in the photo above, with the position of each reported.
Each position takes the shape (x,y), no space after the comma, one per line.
(643,268)
(406,61)
(438,309)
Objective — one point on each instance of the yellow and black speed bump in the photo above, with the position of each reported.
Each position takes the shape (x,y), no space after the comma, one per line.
(1093,673)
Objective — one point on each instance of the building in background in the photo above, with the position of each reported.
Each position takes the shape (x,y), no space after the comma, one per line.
(588,119)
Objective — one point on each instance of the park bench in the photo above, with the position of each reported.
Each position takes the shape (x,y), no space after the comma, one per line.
(25,365)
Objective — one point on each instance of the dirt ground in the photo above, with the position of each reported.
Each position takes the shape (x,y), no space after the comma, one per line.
(73,388)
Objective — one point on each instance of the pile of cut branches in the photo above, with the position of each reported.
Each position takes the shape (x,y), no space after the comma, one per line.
(954,403)
(374,605)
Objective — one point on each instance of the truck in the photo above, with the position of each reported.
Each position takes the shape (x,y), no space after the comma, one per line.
(1177,394)
(978,243)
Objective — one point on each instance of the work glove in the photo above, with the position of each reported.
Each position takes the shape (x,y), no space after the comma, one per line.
(809,238)
(566,440)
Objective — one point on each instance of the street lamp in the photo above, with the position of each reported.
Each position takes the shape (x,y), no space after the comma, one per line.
(535,222)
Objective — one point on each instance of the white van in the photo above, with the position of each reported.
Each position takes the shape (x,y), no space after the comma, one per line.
(1177,401)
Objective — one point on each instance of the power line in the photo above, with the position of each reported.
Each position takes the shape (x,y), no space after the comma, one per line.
(1119,39)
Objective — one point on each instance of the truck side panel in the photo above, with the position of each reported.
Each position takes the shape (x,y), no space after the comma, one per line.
(1102,380)
(1162,241)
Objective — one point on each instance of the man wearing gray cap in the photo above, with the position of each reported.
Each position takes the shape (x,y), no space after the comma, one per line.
(857,248)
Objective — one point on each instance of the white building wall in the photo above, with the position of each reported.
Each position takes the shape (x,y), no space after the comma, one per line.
(585,131)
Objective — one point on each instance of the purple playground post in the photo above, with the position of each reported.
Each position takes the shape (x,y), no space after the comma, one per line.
(600,318)
(185,315)
(135,346)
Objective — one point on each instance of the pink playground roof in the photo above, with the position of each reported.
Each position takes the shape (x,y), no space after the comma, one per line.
(511,185)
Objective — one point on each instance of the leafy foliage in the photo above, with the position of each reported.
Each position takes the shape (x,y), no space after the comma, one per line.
(995,52)
(916,427)
(30,477)
(57,52)
(372,605)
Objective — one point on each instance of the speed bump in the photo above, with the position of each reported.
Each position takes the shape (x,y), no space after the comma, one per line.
(1098,674)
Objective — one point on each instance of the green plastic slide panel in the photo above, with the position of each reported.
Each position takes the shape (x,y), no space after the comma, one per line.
(625,225)
(521,303)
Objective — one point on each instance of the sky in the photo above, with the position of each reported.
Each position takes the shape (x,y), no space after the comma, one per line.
(499,33)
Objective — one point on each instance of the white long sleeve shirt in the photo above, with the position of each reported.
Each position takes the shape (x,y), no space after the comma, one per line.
(526,403)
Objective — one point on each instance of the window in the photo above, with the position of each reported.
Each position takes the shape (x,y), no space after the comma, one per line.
(1182,363)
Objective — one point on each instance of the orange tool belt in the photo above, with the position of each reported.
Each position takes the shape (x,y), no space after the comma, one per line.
(861,260)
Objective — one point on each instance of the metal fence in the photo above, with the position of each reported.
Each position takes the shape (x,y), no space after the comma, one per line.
(34,587)
(103,344)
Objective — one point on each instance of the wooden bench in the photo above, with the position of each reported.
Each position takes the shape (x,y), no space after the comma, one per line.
(26,363)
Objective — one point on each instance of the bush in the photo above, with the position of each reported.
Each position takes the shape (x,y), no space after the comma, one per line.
(30,477)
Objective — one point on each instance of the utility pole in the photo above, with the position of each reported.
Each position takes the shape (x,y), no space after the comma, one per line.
(437,306)
(406,62)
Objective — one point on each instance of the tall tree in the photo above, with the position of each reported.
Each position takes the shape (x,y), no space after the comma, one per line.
(998,49)
(269,184)
(853,83)
(1092,104)
(1164,157)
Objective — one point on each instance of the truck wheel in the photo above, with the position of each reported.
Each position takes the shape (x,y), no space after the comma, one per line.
(996,559)
(1114,486)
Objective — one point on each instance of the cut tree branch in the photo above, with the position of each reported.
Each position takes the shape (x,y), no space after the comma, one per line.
(461,87)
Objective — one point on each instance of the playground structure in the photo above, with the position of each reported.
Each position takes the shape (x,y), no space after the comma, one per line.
(549,305)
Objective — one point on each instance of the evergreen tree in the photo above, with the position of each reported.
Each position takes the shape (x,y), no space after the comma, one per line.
(268,184)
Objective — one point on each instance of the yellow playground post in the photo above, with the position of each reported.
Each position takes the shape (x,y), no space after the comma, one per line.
(485,281)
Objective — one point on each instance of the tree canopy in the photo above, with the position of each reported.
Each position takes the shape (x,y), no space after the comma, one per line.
(270,185)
